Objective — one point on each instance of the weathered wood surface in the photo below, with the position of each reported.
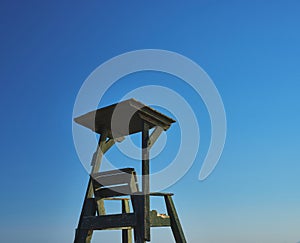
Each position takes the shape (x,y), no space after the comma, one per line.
(175,223)
(160,194)
(108,221)
(108,180)
(138,208)
(109,172)
(154,136)
(97,158)
(158,220)
(145,181)
(88,209)
(112,118)
(100,206)
(126,233)
(115,183)
(114,191)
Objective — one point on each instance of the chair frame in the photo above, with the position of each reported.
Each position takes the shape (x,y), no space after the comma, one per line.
(141,219)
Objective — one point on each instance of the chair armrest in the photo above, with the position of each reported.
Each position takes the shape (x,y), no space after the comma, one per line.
(116,198)
(161,194)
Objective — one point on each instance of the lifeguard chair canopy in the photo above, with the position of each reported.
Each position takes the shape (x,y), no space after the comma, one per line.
(112,122)
(113,118)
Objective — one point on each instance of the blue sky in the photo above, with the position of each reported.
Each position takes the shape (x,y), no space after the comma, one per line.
(249,48)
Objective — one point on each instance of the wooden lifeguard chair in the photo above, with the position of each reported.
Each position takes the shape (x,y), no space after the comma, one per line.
(113,123)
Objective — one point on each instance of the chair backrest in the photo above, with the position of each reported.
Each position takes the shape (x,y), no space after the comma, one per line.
(115,183)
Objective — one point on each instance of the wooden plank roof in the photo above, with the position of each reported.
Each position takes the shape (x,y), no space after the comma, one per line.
(123,118)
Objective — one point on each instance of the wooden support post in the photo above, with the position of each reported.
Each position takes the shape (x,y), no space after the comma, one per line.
(89,207)
(145,181)
(126,233)
(154,136)
(175,223)
(137,203)
(97,159)
(99,152)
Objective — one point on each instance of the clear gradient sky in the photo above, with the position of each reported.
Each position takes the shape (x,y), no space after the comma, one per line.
(251,49)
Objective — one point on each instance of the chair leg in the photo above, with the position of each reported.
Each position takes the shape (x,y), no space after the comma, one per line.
(126,233)
(89,209)
(137,203)
(175,223)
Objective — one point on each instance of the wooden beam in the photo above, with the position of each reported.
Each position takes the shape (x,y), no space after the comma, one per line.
(103,146)
(138,208)
(159,220)
(175,223)
(112,172)
(126,233)
(97,158)
(156,121)
(154,136)
(110,142)
(88,209)
(108,221)
(145,181)
(107,145)
(160,194)
(113,191)
(106,181)
(100,206)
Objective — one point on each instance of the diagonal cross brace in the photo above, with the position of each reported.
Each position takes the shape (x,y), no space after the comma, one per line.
(154,136)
